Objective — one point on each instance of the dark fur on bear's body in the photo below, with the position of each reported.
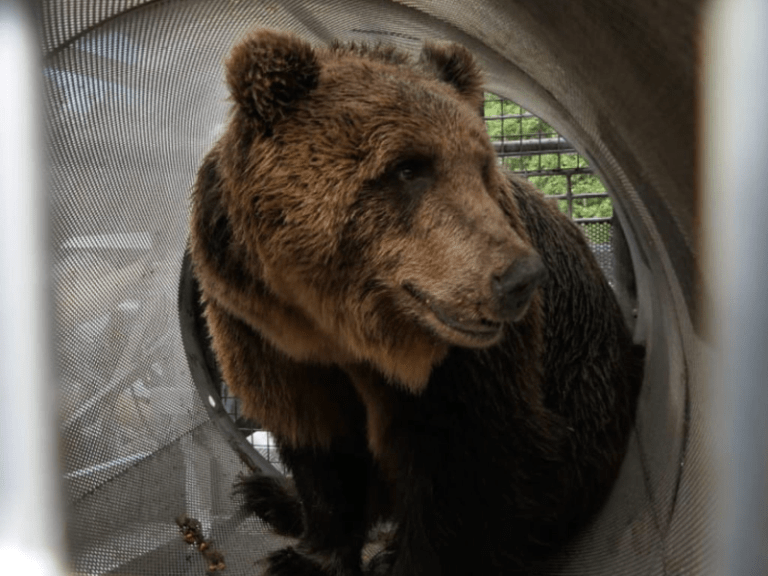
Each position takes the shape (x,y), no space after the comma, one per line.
(375,291)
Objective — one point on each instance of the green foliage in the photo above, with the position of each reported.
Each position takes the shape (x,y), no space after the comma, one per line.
(556,168)
(515,128)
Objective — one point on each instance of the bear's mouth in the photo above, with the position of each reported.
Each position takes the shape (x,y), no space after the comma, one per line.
(482,329)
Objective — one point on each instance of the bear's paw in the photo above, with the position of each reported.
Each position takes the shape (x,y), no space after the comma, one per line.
(275,501)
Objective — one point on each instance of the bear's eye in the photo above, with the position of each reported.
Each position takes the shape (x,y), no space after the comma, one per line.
(411,169)
(406,174)
(406,181)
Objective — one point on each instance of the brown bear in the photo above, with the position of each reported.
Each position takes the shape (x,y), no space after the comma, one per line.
(429,340)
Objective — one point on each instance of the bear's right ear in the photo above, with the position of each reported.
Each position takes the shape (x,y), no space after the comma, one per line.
(269,71)
(454,64)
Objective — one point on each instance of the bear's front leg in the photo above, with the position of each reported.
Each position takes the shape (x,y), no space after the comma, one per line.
(333,487)
(326,504)
(330,503)
(318,421)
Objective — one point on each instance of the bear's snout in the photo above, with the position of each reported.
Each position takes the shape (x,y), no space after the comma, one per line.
(513,289)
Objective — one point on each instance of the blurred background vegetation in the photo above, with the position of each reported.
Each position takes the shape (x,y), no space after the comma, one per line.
(550,162)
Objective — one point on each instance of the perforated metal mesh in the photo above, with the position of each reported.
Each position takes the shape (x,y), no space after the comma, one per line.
(136,97)
(134,103)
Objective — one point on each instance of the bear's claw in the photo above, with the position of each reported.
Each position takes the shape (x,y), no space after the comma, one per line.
(381,564)
(291,562)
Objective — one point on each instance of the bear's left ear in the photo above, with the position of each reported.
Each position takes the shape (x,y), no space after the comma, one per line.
(454,64)
(268,72)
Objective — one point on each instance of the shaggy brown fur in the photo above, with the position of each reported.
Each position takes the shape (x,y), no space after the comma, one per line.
(376,294)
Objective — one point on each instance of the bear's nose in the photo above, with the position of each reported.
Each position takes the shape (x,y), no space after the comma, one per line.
(514,288)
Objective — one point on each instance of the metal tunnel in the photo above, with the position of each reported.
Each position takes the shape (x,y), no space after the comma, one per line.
(134,96)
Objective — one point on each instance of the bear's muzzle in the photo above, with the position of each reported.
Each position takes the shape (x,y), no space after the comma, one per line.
(513,289)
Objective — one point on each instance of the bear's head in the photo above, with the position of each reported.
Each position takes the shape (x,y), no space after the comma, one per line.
(355,210)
